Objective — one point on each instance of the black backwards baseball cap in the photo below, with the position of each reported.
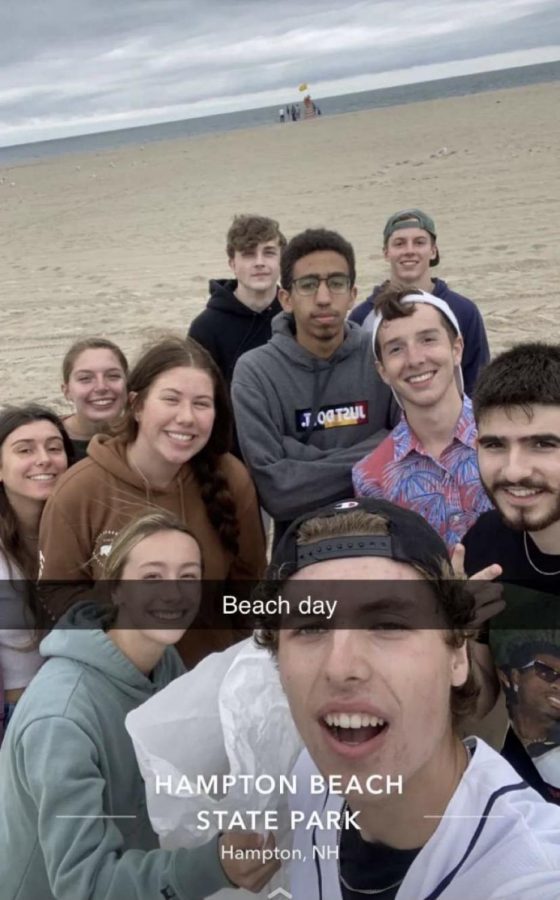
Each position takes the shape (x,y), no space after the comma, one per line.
(410,540)
(411,218)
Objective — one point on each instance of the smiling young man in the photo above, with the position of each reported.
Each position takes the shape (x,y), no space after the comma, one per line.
(428,462)
(517,409)
(410,247)
(240,310)
(309,404)
(379,705)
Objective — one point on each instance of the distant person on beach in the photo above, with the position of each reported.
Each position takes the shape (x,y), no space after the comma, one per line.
(309,111)
(309,404)
(281,114)
(171,453)
(428,462)
(240,310)
(94,374)
(410,248)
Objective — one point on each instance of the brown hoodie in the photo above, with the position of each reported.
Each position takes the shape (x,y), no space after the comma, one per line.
(98,496)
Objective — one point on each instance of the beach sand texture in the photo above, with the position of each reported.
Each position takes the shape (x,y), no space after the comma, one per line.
(123,243)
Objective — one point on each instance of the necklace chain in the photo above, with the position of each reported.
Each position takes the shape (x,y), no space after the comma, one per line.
(388,887)
(370,890)
(530,561)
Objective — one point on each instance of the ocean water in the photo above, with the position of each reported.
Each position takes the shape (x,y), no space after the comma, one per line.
(251,118)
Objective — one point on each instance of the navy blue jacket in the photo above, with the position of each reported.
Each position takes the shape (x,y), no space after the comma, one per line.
(228,329)
(476,353)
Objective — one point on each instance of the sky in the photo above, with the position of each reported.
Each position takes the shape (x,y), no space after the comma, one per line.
(77,66)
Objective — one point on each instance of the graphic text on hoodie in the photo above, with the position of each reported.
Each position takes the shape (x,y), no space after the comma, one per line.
(343,414)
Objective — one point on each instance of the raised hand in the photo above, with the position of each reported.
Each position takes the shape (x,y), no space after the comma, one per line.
(488,596)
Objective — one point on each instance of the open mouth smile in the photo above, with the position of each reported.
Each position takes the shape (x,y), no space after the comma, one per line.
(169,616)
(424,378)
(522,496)
(180,437)
(353,734)
(103,402)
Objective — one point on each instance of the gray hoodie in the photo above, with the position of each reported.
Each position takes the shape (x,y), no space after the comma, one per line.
(67,754)
(279,389)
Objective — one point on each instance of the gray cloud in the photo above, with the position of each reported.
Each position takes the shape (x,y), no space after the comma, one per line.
(85,64)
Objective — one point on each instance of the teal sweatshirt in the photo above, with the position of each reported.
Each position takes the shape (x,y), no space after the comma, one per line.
(67,753)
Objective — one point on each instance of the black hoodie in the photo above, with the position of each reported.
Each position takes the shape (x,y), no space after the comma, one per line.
(228,328)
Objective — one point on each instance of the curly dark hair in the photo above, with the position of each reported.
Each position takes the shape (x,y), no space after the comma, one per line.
(314,240)
(171,353)
(524,376)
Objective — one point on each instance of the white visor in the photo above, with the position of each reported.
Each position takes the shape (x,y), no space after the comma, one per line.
(444,308)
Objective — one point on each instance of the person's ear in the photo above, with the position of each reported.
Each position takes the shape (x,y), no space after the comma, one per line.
(504,680)
(459,665)
(285,298)
(231,263)
(135,406)
(353,295)
(64,389)
(382,373)
(458,347)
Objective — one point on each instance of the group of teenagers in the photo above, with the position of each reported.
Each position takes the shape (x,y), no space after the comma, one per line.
(378,443)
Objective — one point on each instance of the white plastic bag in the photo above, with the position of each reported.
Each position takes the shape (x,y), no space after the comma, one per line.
(229,715)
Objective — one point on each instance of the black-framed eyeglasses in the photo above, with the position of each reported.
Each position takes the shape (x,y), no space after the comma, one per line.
(543,671)
(307,285)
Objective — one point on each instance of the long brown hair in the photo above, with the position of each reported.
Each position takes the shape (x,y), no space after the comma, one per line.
(11,543)
(172,353)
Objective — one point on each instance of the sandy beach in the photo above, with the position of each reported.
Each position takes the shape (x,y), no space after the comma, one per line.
(123,243)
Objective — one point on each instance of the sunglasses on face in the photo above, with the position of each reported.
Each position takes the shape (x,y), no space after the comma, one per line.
(543,671)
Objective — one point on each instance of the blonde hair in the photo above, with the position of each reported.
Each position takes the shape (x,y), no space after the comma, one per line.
(357,522)
(142,527)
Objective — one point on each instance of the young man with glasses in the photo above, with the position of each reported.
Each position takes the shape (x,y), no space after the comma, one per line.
(378,703)
(309,403)
(410,248)
(517,411)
